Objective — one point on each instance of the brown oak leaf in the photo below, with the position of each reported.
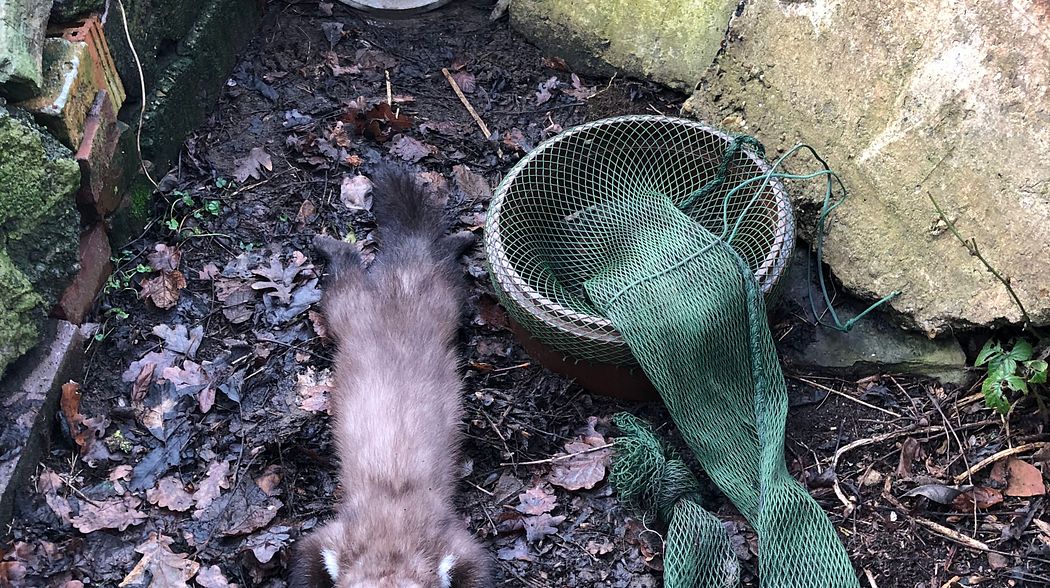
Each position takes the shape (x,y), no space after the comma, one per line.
(258,159)
(113,513)
(540,526)
(171,494)
(211,486)
(536,501)
(166,568)
(584,462)
(164,289)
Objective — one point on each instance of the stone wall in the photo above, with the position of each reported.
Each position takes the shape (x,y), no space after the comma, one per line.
(69,102)
(906,100)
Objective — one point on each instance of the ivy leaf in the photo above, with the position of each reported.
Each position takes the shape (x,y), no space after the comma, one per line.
(1022,351)
(993,396)
(1039,369)
(990,350)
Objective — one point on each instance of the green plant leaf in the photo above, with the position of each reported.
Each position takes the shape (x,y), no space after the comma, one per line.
(993,396)
(172,224)
(1017,384)
(214,207)
(990,349)
(221,183)
(1022,351)
(1038,367)
(187,200)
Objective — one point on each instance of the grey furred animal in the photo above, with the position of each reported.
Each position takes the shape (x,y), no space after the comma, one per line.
(397,406)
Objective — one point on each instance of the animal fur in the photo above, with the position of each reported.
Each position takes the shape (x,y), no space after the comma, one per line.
(396,406)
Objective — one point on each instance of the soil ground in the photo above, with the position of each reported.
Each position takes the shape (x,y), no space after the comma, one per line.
(207,448)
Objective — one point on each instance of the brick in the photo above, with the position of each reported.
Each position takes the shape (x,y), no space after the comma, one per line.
(68,90)
(29,394)
(100,160)
(95,266)
(104,73)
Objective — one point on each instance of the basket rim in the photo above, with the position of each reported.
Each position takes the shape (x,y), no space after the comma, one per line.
(577,324)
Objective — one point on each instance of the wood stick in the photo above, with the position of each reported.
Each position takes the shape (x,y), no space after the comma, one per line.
(953,535)
(558,458)
(463,99)
(848,397)
(389,92)
(996,457)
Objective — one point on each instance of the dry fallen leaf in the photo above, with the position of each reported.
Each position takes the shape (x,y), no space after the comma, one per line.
(409,149)
(270,480)
(164,289)
(1022,478)
(171,494)
(983,496)
(536,501)
(910,451)
(164,258)
(539,526)
(473,185)
(236,296)
(210,487)
(212,577)
(112,513)
(588,463)
(356,192)
(519,550)
(314,389)
(258,159)
(166,568)
(208,272)
(48,484)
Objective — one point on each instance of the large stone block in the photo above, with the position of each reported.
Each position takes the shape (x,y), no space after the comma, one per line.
(187,50)
(908,100)
(20,313)
(39,228)
(22,27)
(670,41)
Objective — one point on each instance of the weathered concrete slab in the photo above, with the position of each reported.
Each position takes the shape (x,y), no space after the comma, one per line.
(907,100)
(22,28)
(873,346)
(28,398)
(670,41)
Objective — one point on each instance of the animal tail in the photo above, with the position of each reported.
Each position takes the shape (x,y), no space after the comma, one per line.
(409,222)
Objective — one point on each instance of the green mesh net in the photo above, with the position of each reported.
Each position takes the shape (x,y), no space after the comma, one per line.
(653,240)
(540,251)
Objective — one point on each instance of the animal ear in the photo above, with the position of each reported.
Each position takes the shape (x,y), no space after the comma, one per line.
(343,258)
(457,244)
(315,564)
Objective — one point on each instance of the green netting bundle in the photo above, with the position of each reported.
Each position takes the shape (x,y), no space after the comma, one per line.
(652,240)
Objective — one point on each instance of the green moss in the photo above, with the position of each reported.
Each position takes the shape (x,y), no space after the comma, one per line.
(35,173)
(20,313)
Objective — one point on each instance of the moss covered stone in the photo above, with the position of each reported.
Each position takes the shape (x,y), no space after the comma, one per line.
(20,313)
(39,228)
(669,41)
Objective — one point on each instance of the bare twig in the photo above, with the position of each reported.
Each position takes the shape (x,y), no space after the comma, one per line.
(997,456)
(558,458)
(469,108)
(971,246)
(902,433)
(847,397)
(952,535)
